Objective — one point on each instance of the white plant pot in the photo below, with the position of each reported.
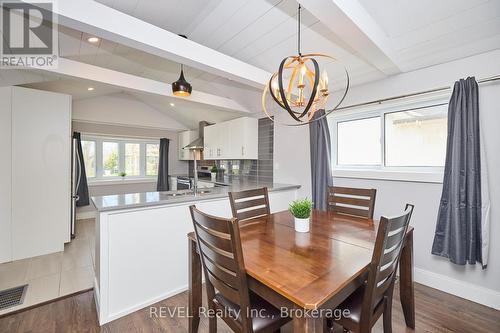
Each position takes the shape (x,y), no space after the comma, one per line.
(302,225)
(213,176)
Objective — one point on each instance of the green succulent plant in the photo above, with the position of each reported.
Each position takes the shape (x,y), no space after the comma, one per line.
(122,174)
(301,209)
(214,169)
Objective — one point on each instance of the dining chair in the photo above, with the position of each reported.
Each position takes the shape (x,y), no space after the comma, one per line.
(374,297)
(358,202)
(221,255)
(249,204)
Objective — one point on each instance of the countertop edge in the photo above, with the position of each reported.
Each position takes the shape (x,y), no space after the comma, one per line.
(174,201)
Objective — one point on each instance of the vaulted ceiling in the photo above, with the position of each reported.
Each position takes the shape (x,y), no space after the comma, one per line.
(374,39)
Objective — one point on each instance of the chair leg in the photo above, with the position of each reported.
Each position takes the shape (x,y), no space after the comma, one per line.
(388,315)
(212,325)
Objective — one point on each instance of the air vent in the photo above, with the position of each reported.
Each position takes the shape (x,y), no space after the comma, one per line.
(12,297)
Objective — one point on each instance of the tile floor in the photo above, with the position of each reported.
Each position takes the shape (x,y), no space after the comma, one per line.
(54,275)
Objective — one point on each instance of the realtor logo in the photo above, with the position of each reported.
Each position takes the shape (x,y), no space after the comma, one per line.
(29,34)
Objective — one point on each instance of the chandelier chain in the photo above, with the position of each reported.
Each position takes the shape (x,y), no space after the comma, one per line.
(298,34)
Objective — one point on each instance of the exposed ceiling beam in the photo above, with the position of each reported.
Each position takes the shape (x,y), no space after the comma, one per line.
(349,20)
(75,69)
(97,19)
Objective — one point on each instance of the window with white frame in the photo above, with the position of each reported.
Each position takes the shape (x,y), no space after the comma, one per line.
(107,158)
(409,138)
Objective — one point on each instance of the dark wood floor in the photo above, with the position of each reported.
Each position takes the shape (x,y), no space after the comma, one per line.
(435,311)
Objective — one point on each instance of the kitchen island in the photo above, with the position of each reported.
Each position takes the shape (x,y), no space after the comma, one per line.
(141,248)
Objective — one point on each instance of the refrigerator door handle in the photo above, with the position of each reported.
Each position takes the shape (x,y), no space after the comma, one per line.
(78,167)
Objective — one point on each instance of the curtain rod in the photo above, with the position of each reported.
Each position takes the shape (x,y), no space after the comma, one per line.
(380,101)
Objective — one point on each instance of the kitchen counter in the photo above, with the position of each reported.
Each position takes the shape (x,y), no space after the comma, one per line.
(141,253)
(138,200)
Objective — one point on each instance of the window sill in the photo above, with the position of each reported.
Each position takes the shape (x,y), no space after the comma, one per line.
(391,175)
(116,181)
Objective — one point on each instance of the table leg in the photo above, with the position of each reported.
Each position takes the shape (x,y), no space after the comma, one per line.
(406,290)
(195,293)
(308,325)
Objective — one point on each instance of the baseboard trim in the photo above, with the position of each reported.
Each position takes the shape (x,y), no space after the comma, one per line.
(481,295)
(113,316)
(86,215)
(30,307)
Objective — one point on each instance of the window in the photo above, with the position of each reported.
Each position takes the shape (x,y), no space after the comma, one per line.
(152,158)
(88,148)
(110,159)
(409,138)
(132,159)
(416,138)
(106,158)
(359,142)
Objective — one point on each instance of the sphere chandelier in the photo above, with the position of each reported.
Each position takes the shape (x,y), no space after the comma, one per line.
(307,88)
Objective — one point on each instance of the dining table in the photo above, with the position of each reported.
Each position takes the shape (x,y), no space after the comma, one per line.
(306,274)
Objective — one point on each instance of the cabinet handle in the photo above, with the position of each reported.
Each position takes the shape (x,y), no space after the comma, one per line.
(242,150)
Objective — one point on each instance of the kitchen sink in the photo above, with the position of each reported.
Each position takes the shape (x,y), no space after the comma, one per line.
(176,194)
(203,191)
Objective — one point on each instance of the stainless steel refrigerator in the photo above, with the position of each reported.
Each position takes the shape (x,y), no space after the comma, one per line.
(76,177)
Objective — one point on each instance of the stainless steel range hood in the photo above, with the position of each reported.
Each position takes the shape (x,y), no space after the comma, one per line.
(198,143)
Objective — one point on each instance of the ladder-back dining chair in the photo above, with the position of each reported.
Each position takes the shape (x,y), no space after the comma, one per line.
(250,204)
(374,297)
(221,254)
(358,202)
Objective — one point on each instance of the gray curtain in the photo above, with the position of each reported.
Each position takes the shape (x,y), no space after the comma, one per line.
(321,172)
(458,229)
(162,184)
(82,190)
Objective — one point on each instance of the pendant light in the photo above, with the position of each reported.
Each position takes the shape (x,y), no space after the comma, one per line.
(181,87)
(305,78)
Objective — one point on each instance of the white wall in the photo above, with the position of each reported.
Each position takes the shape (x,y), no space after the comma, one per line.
(292,162)
(122,109)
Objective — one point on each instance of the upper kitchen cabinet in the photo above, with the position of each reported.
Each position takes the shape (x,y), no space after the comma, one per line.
(185,138)
(235,139)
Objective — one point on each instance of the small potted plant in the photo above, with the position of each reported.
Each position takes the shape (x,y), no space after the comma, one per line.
(301,210)
(213,173)
(122,174)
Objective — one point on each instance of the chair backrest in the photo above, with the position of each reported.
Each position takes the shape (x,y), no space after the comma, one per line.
(221,254)
(352,201)
(388,246)
(250,204)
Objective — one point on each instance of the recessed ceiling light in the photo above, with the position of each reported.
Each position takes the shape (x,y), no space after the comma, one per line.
(93,39)
(172,104)
(90,88)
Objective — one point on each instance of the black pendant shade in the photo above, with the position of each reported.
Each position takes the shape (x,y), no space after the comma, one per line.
(181,87)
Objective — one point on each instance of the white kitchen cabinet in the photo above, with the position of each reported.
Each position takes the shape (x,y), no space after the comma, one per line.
(185,138)
(173,183)
(39,170)
(5,175)
(244,133)
(232,140)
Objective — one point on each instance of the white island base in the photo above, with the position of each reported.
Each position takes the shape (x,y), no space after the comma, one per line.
(142,253)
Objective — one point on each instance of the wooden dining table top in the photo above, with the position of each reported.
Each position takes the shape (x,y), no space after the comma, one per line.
(307,268)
